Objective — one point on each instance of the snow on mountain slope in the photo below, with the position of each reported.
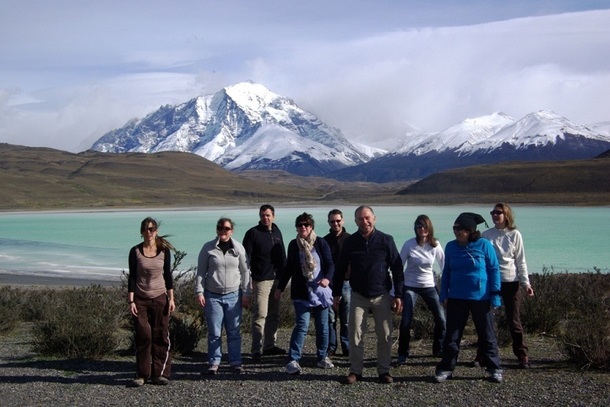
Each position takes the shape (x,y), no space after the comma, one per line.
(538,129)
(220,127)
(462,137)
(274,143)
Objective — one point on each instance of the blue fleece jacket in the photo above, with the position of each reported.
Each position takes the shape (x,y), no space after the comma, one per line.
(471,272)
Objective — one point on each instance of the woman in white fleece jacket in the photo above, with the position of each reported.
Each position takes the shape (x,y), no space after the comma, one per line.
(222,287)
(508,243)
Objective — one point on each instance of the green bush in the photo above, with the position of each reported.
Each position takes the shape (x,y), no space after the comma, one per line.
(82,323)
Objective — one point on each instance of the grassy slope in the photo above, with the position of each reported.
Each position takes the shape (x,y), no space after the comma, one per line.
(43,178)
(561,182)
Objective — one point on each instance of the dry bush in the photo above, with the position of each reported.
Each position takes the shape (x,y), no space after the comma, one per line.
(585,333)
(82,323)
(10,304)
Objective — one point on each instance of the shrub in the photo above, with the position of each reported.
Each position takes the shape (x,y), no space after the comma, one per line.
(10,304)
(37,304)
(185,324)
(83,323)
(544,312)
(585,333)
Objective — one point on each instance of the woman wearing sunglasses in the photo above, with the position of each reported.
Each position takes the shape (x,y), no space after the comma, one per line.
(419,255)
(151,300)
(309,265)
(222,287)
(508,243)
(470,284)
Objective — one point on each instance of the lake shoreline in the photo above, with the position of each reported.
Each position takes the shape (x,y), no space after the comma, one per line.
(55,282)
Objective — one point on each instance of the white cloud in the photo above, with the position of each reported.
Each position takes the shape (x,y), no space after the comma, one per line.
(69,73)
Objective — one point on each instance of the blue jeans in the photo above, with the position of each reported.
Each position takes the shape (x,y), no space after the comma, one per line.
(346,294)
(303,314)
(430,297)
(457,316)
(223,309)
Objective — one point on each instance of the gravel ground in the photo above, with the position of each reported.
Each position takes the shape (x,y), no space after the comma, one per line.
(28,380)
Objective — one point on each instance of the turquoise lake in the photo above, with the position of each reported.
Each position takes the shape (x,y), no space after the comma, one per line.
(95,244)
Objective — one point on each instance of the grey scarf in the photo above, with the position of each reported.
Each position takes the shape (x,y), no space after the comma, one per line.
(305,248)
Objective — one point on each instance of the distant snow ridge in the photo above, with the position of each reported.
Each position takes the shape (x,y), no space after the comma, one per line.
(244,126)
(462,137)
(497,130)
(539,129)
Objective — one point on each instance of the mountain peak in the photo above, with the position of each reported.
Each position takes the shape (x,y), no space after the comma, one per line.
(251,94)
(232,128)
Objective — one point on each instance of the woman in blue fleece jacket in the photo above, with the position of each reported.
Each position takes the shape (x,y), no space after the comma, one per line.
(470,285)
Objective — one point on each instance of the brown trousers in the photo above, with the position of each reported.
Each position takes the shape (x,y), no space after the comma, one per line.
(153,358)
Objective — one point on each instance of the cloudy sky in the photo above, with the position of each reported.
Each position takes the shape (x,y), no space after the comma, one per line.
(71,70)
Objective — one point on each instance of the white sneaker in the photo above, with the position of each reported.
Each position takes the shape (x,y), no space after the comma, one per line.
(325,363)
(496,377)
(442,376)
(293,367)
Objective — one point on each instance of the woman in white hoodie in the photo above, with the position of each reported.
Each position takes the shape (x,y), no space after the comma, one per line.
(508,243)
(222,287)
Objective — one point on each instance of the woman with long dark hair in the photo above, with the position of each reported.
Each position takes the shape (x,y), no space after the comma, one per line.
(151,299)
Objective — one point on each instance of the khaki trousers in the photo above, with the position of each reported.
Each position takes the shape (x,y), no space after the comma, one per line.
(265,315)
(381,307)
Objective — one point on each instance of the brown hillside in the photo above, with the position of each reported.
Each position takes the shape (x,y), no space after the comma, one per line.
(573,182)
(44,178)
(47,178)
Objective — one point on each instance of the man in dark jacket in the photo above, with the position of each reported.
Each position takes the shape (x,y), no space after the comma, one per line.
(335,239)
(264,246)
(368,255)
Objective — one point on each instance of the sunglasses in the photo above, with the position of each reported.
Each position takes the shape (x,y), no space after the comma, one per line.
(153,229)
(419,226)
(223,229)
(496,213)
(301,225)
(458,228)
(334,221)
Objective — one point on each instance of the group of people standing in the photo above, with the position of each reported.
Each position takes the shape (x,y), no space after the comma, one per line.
(339,278)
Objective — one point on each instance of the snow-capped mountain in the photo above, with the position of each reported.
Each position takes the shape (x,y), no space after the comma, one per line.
(244,126)
(539,136)
(461,137)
